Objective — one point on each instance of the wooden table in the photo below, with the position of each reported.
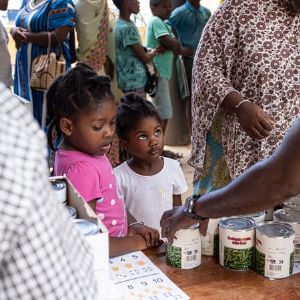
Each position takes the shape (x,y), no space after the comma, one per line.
(210,281)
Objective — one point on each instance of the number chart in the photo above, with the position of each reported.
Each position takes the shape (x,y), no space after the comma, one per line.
(139,279)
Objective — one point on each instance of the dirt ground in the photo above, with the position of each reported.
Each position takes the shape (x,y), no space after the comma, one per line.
(187,169)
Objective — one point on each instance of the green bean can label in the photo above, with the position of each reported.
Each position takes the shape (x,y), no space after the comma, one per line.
(291,217)
(185,252)
(237,239)
(274,250)
(210,241)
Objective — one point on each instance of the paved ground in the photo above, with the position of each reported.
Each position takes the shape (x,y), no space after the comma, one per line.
(187,169)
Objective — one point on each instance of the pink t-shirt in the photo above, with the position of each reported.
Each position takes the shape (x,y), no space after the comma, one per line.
(94,178)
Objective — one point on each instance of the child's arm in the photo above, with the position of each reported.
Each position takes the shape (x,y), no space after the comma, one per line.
(151,235)
(172,44)
(177,200)
(123,245)
(144,56)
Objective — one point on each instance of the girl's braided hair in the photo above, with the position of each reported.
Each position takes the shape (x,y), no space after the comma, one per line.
(131,110)
(79,90)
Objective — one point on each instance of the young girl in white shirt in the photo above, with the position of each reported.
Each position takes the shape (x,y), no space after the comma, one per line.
(149,183)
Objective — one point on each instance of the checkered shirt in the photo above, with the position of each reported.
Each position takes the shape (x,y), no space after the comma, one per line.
(42,255)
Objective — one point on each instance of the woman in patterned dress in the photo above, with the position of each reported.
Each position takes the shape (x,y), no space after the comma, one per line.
(246,87)
(35,19)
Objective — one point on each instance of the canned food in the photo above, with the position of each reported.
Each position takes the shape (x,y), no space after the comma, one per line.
(292,203)
(185,252)
(86,227)
(274,254)
(291,217)
(237,238)
(257,217)
(60,190)
(72,211)
(210,241)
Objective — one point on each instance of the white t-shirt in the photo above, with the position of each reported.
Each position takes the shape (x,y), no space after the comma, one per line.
(148,197)
(5,69)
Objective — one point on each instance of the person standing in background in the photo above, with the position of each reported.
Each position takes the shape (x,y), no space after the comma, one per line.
(160,33)
(246,90)
(188,21)
(131,58)
(34,21)
(5,69)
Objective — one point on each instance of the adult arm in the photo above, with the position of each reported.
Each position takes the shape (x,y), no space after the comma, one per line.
(22,36)
(262,186)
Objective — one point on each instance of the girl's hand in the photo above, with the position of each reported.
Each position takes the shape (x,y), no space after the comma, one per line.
(19,35)
(254,121)
(150,235)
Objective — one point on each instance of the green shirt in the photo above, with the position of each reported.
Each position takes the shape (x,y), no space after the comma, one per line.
(157,28)
(131,72)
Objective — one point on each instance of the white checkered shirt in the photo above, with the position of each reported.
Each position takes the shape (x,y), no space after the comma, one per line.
(42,256)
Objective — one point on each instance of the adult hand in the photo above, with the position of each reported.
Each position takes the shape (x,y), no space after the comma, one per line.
(173,220)
(19,35)
(150,235)
(254,121)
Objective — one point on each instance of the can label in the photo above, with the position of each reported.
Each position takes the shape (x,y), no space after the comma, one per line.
(292,218)
(185,252)
(210,241)
(274,256)
(236,250)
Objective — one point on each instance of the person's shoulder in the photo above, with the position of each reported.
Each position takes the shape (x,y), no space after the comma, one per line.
(179,10)
(205,10)
(122,168)
(171,163)
(17,121)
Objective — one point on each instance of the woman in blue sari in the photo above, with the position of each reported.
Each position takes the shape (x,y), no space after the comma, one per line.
(35,19)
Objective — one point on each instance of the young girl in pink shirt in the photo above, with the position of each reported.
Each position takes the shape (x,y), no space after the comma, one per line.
(82,110)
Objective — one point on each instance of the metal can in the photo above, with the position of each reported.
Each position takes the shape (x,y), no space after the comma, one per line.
(291,217)
(185,252)
(60,190)
(258,217)
(237,239)
(210,241)
(86,227)
(274,251)
(72,211)
(292,203)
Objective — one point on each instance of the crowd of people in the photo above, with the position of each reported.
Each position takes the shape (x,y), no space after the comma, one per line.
(242,65)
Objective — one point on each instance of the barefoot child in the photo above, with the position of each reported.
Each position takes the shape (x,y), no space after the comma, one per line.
(149,183)
(82,110)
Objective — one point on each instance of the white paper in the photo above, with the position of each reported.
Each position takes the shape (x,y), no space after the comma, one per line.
(139,279)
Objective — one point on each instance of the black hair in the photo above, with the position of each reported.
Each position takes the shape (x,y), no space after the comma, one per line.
(79,90)
(153,3)
(118,4)
(131,110)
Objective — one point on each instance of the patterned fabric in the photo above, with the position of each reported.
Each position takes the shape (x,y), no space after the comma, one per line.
(93,178)
(92,31)
(46,16)
(42,255)
(251,47)
(215,171)
(131,71)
